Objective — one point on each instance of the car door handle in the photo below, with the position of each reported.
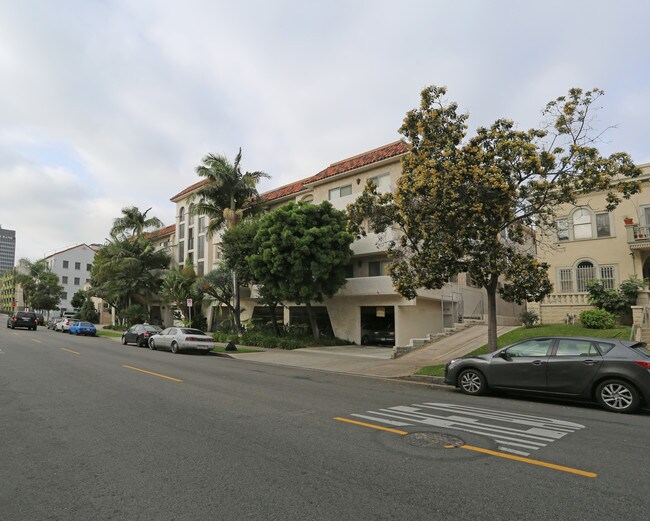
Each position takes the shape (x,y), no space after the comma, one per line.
(590,362)
(539,362)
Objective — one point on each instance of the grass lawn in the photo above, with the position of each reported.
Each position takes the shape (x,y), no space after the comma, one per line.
(222,349)
(522,333)
(109,333)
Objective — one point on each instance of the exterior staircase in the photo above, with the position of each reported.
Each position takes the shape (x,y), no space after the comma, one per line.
(418,343)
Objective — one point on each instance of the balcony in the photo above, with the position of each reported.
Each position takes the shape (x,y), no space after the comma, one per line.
(638,237)
(373,242)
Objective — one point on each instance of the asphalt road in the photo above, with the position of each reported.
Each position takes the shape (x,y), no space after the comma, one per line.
(87,435)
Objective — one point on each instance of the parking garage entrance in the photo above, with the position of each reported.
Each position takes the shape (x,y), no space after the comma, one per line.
(378,325)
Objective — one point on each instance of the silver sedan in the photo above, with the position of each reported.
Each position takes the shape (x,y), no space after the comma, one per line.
(182,338)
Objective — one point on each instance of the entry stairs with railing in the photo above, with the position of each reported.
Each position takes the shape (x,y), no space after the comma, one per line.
(418,343)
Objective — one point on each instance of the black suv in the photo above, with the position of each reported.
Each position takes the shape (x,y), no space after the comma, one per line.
(22,319)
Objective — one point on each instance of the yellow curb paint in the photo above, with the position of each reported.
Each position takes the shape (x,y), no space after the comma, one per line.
(69,351)
(484,451)
(154,374)
(378,427)
(528,460)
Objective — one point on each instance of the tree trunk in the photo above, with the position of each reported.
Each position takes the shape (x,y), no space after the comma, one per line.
(312,321)
(492,312)
(235,294)
(274,318)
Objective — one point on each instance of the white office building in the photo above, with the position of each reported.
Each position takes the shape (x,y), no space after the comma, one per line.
(72,266)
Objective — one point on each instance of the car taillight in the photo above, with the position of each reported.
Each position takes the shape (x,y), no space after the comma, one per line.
(645,365)
(15,319)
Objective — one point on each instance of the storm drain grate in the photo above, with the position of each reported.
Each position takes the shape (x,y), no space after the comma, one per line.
(434,440)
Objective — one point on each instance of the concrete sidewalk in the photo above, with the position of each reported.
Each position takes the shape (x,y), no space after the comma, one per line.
(375,361)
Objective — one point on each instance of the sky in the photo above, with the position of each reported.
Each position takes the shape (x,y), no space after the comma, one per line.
(106,104)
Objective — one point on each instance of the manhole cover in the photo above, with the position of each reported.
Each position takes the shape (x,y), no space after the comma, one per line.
(434,440)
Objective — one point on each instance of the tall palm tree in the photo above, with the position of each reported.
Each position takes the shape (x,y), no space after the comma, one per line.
(227,196)
(134,222)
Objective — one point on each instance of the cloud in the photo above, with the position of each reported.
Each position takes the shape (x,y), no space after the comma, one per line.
(125,98)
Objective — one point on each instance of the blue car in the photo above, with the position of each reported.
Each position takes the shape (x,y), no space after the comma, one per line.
(83,328)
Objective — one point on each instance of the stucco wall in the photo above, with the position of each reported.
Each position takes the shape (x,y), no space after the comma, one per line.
(418,321)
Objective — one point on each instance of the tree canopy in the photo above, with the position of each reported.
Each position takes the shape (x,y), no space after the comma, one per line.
(41,288)
(302,253)
(134,223)
(473,205)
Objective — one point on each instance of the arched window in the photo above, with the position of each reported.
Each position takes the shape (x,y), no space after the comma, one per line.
(181,215)
(190,214)
(582,224)
(584,273)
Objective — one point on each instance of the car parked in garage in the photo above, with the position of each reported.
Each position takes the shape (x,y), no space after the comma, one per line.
(616,373)
(179,339)
(139,334)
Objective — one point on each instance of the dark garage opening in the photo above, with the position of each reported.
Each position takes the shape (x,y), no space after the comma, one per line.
(378,325)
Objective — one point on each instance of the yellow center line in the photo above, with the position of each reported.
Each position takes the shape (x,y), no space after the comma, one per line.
(69,351)
(484,451)
(154,374)
(378,427)
(37,341)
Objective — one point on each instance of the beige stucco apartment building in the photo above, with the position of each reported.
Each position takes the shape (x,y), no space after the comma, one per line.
(591,243)
(368,298)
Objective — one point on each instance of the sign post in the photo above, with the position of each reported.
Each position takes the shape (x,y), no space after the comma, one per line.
(189,309)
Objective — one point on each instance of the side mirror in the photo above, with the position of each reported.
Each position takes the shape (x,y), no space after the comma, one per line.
(504,355)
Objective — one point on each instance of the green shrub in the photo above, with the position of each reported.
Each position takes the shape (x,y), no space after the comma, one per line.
(597,319)
(529,318)
(271,341)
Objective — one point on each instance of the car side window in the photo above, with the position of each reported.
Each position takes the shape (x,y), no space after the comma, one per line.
(165,331)
(572,347)
(535,347)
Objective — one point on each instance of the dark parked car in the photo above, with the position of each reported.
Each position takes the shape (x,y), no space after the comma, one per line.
(24,319)
(374,334)
(140,334)
(616,373)
(40,319)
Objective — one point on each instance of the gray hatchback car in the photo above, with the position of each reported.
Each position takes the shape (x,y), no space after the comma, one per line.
(616,373)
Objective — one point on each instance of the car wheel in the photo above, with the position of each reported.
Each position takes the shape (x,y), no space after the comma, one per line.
(365,340)
(123,340)
(152,344)
(175,349)
(472,381)
(618,396)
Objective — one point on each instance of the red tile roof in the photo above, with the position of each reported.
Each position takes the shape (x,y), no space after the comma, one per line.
(394,149)
(70,248)
(161,232)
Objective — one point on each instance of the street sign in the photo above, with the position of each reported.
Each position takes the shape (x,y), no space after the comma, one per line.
(189,302)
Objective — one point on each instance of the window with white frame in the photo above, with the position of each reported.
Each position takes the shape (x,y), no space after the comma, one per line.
(571,280)
(377,268)
(201,253)
(582,224)
(603,227)
(341,191)
(201,224)
(181,215)
(382,182)
(562,229)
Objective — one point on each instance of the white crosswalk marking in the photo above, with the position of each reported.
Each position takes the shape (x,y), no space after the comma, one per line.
(511,431)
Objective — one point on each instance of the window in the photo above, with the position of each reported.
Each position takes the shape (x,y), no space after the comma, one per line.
(377,268)
(64,280)
(202,224)
(382,182)
(181,231)
(65,264)
(570,347)
(190,239)
(77,281)
(562,228)
(201,252)
(535,348)
(64,295)
(217,252)
(181,215)
(602,225)
(349,271)
(566,280)
(341,191)
(199,269)
(607,276)
(190,257)
(190,216)
(77,265)
(582,224)
(181,252)
(584,273)
(89,267)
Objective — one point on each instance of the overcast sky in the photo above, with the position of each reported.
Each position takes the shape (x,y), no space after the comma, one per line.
(108,103)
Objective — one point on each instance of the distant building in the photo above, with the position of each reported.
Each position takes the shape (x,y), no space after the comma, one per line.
(72,266)
(7,249)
